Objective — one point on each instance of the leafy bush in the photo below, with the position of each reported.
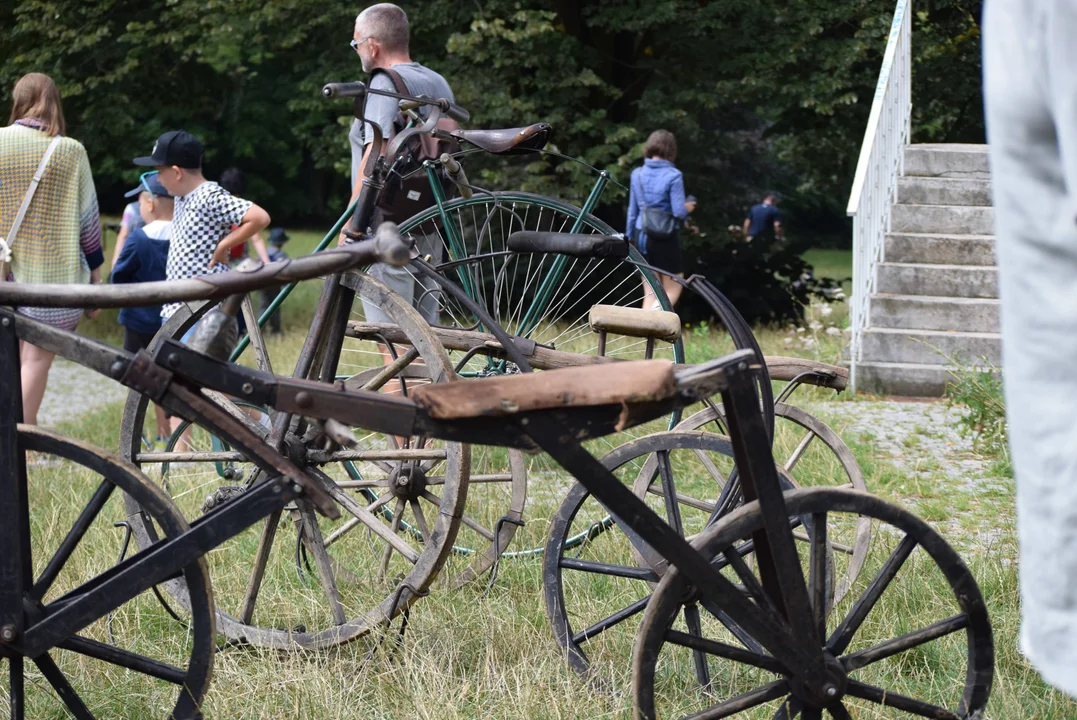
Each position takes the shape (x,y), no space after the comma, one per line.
(978,388)
(768,284)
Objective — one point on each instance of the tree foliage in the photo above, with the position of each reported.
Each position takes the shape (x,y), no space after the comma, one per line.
(761,94)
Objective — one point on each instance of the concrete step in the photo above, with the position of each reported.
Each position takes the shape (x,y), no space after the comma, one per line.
(924,312)
(906,379)
(951,160)
(914,190)
(976,281)
(930,347)
(947,219)
(934,249)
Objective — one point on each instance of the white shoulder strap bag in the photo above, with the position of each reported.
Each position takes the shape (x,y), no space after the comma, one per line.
(7,243)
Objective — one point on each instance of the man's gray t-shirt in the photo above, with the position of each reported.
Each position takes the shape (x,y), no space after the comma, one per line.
(419,80)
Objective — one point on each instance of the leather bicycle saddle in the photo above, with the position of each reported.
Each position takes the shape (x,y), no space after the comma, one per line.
(509,141)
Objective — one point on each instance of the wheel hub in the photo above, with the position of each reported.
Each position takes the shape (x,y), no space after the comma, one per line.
(407,481)
(825,693)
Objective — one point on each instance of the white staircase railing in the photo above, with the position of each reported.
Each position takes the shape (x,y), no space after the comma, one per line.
(877,171)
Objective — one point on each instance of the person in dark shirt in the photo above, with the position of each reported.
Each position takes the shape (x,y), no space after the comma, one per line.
(142,259)
(764,220)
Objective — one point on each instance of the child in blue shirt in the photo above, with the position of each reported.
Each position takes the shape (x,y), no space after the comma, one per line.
(142,259)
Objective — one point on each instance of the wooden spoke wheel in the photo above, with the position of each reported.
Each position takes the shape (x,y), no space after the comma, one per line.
(911,639)
(543,298)
(111,666)
(298,579)
(597,575)
(812,455)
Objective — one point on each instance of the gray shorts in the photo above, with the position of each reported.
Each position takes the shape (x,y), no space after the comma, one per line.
(423,293)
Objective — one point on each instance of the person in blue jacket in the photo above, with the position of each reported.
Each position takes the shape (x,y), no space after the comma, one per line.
(658,185)
(143,259)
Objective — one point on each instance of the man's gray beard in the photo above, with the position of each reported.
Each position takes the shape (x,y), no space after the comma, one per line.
(365,64)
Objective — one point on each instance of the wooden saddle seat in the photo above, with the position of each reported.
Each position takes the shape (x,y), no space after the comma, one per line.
(635,322)
(810,372)
(634,381)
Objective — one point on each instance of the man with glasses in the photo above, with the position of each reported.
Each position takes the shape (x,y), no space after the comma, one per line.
(381,39)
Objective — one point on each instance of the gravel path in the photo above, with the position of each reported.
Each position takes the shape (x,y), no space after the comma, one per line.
(74,391)
(935,472)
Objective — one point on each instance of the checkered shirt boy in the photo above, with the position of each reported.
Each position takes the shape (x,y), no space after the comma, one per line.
(202,218)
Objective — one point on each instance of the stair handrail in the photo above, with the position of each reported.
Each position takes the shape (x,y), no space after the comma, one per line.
(880,164)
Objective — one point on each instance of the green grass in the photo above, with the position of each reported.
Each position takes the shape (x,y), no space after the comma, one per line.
(473,655)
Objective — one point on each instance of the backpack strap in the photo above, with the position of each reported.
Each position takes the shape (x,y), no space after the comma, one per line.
(7,243)
(400,121)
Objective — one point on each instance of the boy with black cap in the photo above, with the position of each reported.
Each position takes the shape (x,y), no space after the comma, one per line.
(142,259)
(205,213)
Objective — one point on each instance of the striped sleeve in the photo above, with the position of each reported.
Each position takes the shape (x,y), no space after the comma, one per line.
(89,216)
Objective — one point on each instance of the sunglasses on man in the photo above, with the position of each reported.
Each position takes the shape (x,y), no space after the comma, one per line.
(354,44)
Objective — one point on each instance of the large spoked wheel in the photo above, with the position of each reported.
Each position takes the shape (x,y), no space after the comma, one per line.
(912,639)
(112,667)
(297,579)
(543,298)
(598,577)
(813,456)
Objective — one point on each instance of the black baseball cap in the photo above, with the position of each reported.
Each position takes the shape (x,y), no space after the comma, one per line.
(175,147)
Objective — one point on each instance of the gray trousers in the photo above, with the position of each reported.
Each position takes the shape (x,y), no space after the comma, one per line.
(1030,82)
(422,293)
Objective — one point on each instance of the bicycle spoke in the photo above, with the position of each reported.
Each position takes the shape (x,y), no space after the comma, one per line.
(712,469)
(852,622)
(798,453)
(391,370)
(368,518)
(254,332)
(16,687)
(838,712)
(483,531)
(62,687)
(879,696)
(71,541)
(420,518)
(394,527)
(736,630)
(607,622)
(261,558)
(125,659)
(316,546)
(789,709)
(724,650)
(341,531)
(835,546)
(625,571)
(673,510)
(863,658)
(817,575)
(685,500)
(745,701)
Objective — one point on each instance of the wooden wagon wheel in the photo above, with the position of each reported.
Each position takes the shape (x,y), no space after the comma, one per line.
(867,642)
(595,591)
(168,673)
(814,456)
(298,580)
(543,298)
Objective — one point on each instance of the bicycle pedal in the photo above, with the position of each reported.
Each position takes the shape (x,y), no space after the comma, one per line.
(222,495)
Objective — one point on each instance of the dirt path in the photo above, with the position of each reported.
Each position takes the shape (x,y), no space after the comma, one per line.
(926,464)
(73,391)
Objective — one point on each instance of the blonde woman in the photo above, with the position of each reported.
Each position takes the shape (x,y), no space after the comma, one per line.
(59,239)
